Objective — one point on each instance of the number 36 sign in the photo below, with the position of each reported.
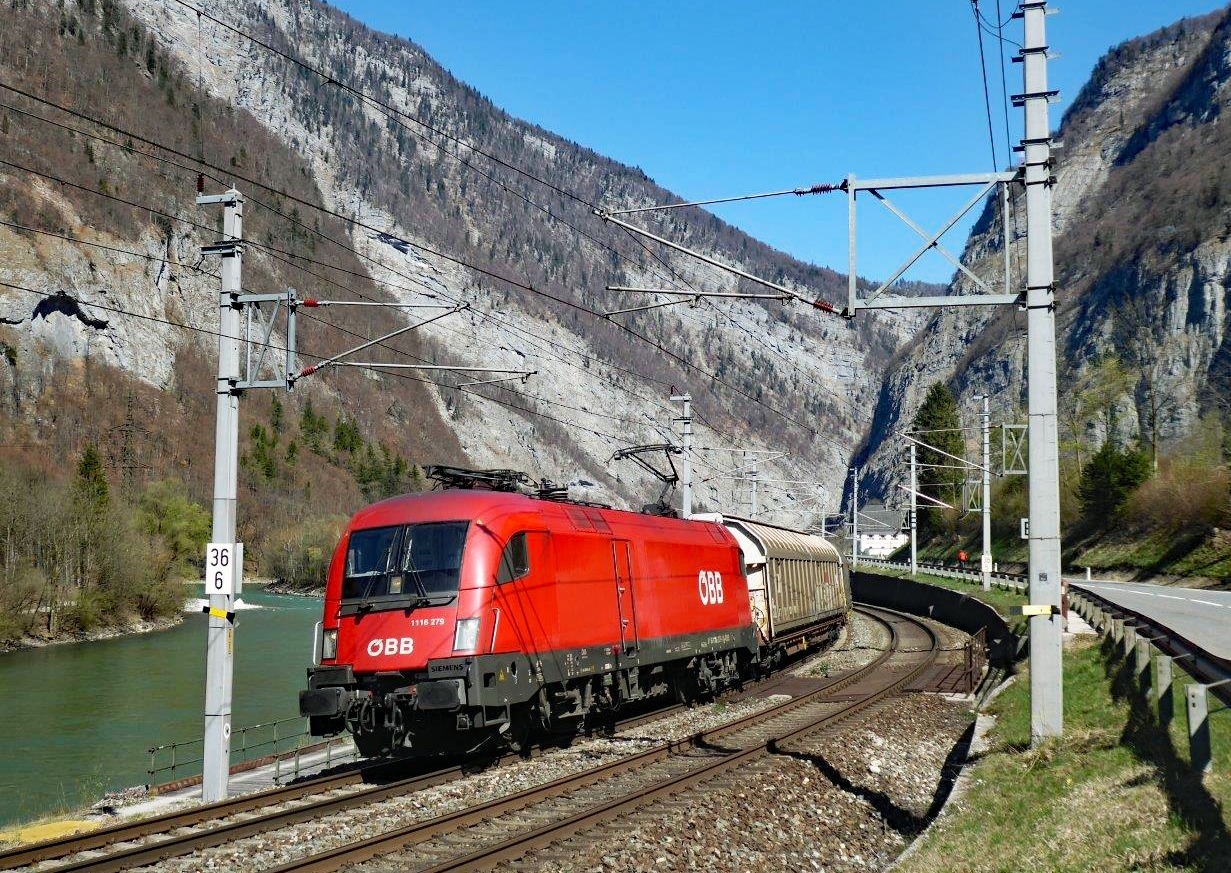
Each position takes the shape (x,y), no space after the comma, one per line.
(224,564)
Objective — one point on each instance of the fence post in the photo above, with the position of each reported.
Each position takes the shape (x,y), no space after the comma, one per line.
(1130,640)
(1117,630)
(1162,689)
(1141,665)
(1198,727)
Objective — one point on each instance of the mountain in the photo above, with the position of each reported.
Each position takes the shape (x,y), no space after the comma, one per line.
(1143,249)
(370,170)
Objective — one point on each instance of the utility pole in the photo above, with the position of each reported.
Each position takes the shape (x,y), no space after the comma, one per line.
(685,421)
(1046,691)
(752,479)
(914,513)
(855,518)
(220,641)
(986,558)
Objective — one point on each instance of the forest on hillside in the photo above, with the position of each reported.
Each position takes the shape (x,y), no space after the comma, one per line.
(1134,505)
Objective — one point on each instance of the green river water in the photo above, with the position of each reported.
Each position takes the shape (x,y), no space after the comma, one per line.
(77,719)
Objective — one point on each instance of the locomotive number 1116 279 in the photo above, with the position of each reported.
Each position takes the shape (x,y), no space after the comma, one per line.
(709,586)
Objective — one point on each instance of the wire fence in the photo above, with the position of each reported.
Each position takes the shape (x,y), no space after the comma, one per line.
(283,743)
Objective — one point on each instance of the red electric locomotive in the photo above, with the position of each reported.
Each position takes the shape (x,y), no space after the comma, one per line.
(460,618)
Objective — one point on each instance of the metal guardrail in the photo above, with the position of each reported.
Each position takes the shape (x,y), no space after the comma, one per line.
(1149,647)
(271,742)
(1007,581)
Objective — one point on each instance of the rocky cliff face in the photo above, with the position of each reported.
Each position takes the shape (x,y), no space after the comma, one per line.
(405,184)
(1142,204)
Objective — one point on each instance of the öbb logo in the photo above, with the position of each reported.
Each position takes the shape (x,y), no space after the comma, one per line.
(391,646)
(709,585)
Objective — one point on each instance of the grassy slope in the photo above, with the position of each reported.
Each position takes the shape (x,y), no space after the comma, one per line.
(1205,559)
(1114,794)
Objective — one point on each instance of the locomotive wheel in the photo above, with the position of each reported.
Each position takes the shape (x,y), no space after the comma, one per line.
(520,735)
(378,744)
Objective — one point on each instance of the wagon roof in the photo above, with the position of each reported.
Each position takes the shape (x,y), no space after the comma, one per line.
(782,542)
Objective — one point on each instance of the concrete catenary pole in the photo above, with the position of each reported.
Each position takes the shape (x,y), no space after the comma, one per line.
(220,640)
(854,518)
(914,512)
(986,558)
(752,476)
(685,421)
(1046,691)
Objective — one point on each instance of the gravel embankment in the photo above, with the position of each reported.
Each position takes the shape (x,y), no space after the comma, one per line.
(851,801)
(267,850)
(861,643)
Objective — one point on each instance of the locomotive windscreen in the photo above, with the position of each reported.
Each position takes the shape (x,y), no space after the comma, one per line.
(406,561)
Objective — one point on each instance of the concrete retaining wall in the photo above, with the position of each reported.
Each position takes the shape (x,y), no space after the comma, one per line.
(953,608)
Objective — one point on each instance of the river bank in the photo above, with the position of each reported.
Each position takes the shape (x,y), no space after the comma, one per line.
(130,627)
(273,586)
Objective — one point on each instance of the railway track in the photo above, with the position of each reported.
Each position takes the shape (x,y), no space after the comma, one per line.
(483,836)
(177,834)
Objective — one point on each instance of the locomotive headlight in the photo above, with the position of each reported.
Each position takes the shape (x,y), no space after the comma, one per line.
(329,644)
(466,635)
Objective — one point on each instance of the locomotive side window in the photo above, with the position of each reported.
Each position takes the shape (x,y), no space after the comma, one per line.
(515,561)
(407,562)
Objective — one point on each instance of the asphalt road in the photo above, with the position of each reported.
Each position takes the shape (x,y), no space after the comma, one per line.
(1204,617)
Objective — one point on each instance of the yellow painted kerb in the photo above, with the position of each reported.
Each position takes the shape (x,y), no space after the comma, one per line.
(50,830)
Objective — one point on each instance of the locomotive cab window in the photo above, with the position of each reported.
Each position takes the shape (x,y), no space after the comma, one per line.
(404,565)
(515,560)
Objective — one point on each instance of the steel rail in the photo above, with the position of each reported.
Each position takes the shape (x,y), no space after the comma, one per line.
(548,834)
(23,856)
(418,832)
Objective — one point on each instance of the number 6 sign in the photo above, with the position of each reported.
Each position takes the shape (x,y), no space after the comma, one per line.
(223,567)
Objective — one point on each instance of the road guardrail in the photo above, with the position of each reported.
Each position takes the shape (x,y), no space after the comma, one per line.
(1149,647)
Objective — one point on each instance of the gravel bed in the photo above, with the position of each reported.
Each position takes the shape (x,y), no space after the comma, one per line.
(851,801)
(277,847)
(858,644)
(861,642)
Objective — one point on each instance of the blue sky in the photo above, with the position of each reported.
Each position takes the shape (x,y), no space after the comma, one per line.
(720,98)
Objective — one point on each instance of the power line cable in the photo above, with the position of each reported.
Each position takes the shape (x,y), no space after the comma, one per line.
(275,251)
(1004,87)
(308,315)
(987,100)
(280,251)
(400,114)
(62,295)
